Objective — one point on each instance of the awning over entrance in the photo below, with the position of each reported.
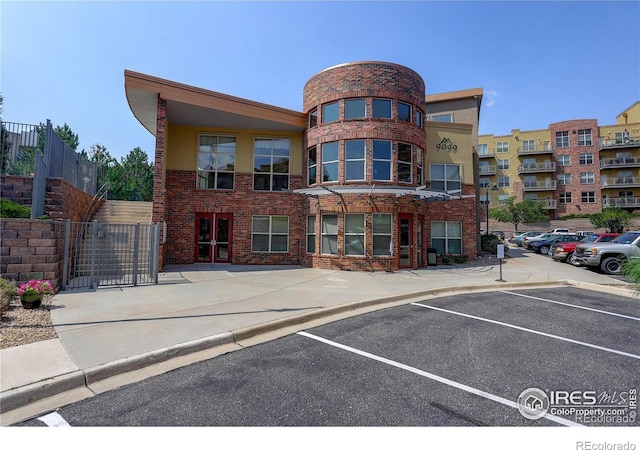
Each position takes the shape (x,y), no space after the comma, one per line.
(420,192)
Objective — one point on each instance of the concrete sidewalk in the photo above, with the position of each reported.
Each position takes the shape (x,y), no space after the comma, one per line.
(115,336)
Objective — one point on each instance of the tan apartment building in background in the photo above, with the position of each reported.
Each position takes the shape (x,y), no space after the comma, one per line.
(573,167)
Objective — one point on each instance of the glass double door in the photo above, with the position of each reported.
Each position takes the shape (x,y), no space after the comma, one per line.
(213,238)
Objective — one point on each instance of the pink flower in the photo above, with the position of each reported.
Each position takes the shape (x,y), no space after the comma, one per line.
(35,287)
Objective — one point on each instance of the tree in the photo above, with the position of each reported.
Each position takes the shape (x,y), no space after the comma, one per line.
(99,154)
(526,211)
(614,219)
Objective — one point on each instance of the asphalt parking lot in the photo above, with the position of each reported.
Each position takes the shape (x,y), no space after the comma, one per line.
(463,360)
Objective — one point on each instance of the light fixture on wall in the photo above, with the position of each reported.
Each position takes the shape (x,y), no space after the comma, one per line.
(574,131)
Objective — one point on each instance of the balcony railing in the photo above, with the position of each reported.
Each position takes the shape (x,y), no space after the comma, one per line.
(487,170)
(547,204)
(487,154)
(538,149)
(631,141)
(539,185)
(620,182)
(619,162)
(537,167)
(622,202)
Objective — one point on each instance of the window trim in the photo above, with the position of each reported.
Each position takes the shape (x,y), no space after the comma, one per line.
(446,181)
(446,236)
(562,138)
(311,233)
(363,234)
(588,195)
(585,159)
(585,137)
(363,160)
(405,163)
(409,116)
(270,233)
(271,173)
(336,161)
(374,159)
(324,106)
(373,108)
(563,196)
(353,100)
(314,165)
(215,171)
(388,235)
(323,233)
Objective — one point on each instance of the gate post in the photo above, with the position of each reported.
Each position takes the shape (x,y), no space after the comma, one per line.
(136,247)
(93,254)
(155,248)
(65,257)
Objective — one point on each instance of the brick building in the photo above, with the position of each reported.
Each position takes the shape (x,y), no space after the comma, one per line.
(573,167)
(370,175)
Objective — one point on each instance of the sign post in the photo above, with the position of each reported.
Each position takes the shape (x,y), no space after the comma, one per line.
(500,254)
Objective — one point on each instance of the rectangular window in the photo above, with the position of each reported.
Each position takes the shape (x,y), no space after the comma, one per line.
(562,139)
(312,163)
(330,161)
(311,234)
(502,147)
(483,149)
(381,108)
(419,118)
(503,181)
(313,118)
(588,197)
(354,159)
(446,237)
(404,162)
(329,234)
(330,112)
(584,137)
(564,179)
(484,182)
(445,177)
(528,145)
(355,108)
(354,234)
(381,234)
(382,160)
(448,118)
(404,112)
(270,234)
(216,162)
(420,166)
(564,197)
(504,164)
(587,178)
(563,160)
(586,158)
(271,164)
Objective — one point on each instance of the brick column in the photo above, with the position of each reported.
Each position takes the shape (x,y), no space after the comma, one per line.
(159,190)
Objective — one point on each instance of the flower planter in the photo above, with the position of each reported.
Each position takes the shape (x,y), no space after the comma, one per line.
(31,301)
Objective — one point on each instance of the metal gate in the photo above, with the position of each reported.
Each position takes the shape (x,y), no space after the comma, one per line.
(105,254)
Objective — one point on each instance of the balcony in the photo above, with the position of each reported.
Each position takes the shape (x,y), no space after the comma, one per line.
(547,204)
(617,143)
(540,149)
(621,202)
(529,186)
(537,168)
(487,170)
(487,154)
(606,163)
(620,182)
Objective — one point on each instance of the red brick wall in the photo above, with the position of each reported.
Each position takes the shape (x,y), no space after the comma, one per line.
(31,249)
(17,189)
(159,191)
(574,150)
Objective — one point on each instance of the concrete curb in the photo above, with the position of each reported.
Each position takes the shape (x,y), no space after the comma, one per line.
(22,396)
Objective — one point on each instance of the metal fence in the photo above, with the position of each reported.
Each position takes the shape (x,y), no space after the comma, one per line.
(20,144)
(101,254)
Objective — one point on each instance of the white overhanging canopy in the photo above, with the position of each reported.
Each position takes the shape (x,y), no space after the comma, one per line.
(420,192)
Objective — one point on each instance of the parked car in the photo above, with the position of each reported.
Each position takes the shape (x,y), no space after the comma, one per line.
(526,242)
(515,234)
(499,234)
(609,256)
(564,251)
(560,231)
(543,246)
(518,239)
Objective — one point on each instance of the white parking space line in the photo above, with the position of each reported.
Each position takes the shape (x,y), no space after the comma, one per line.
(439,379)
(572,306)
(529,330)
(54,420)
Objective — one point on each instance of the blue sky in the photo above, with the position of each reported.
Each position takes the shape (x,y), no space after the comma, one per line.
(538,62)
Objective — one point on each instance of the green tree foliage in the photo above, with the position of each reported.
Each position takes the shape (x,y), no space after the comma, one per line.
(129,179)
(614,219)
(526,211)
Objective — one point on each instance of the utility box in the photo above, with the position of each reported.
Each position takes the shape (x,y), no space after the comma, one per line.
(432,257)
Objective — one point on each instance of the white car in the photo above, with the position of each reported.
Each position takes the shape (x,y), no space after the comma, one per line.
(560,231)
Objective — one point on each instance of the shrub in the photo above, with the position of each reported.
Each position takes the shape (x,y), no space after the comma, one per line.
(460,259)
(7,292)
(631,270)
(447,259)
(13,210)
